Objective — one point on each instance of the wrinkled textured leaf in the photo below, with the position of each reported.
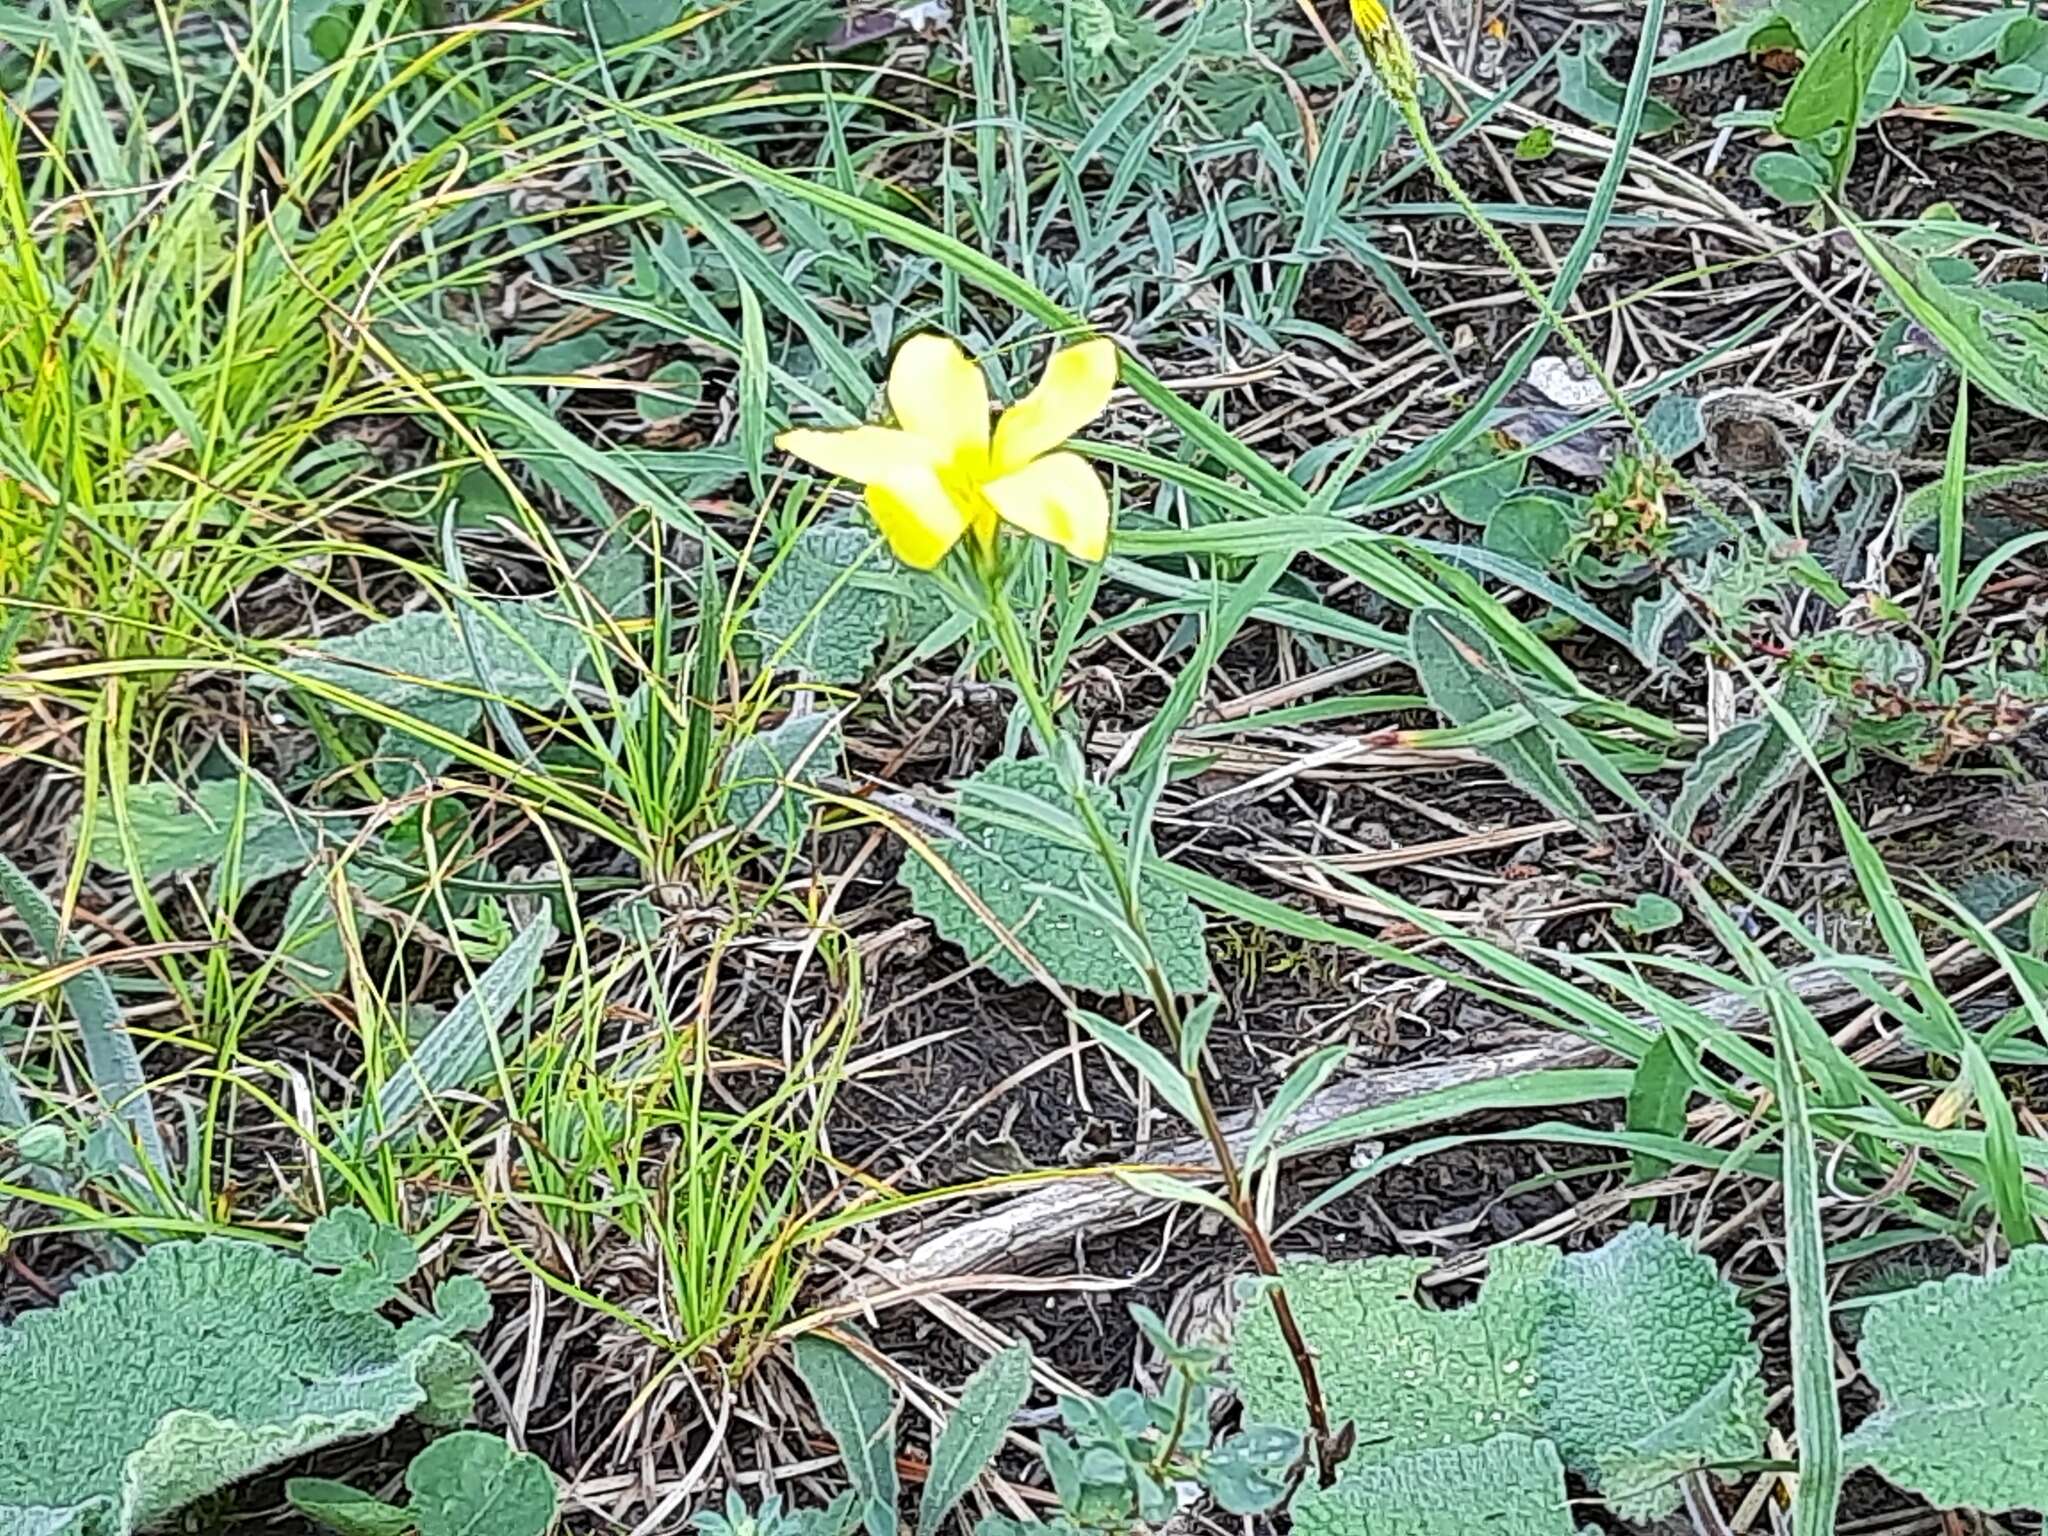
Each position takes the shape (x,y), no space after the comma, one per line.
(835,598)
(463,1304)
(1632,1363)
(800,750)
(473,1484)
(1960,1363)
(1001,862)
(1509,1485)
(371,1260)
(859,1412)
(1406,1377)
(1645,1369)
(988,1403)
(1462,672)
(199,1365)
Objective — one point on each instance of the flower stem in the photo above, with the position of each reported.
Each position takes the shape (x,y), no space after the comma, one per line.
(1411,113)
(1010,641)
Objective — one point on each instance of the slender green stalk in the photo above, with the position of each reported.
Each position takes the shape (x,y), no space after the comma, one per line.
(1411,113)
(1815,1410)
(1010,643)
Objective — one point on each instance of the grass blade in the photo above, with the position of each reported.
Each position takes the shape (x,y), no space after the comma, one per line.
(1815,1412)
(1954,477)
(110,1054)
(463,1044)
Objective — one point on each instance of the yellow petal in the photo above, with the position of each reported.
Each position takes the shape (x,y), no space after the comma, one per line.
(917,515)
(939,394)
(1073,392)
(1059,498)
(866,454)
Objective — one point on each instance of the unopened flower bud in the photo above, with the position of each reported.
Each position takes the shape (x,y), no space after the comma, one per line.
(1387,51)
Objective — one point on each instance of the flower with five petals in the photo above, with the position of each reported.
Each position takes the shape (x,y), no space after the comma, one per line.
(941,473)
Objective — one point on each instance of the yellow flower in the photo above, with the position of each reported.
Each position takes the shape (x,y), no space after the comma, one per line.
(940,472)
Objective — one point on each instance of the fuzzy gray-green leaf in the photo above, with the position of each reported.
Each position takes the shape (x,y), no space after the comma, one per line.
(472,1484)
(834,600)
(197,1366)
(800,750)
(1509,1485)
(1645,1369)
(859,1412)
(1963,1372)
(180,830)
(1584,86)
(425,665)
(1466,679)
(1006,862)
(988,1403)
(1408,1378)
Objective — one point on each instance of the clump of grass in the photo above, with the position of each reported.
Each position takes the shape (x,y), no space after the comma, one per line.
(182,306)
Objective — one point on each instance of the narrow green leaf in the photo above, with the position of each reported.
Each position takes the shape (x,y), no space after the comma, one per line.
(2003,1171)
(345,1510)
(1954,474)
(1147,1059)
(1194,1032)
(1304,1080)
(110,1054)
(1164,1186)
(464,1044)
(1816,1415)
(1657,1098)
